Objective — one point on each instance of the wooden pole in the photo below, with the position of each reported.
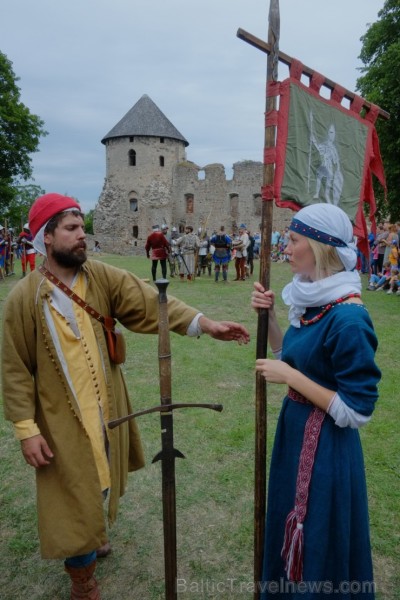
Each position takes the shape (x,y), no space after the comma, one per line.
(271,48)
(262,324)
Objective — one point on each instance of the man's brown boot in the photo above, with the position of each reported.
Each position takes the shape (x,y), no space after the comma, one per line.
(84,585)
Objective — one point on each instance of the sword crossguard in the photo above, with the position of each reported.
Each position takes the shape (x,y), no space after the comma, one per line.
(164,454)
(163,408)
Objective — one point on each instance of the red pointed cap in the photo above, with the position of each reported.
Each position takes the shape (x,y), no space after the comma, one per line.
(47,206)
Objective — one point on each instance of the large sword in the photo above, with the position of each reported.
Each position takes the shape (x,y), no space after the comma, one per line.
(168,452)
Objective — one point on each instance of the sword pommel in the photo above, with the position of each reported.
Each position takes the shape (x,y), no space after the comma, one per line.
(162,285)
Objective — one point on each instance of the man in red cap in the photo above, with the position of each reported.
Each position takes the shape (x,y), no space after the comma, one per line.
(60,387)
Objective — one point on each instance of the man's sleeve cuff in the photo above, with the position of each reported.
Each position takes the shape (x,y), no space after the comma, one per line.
(26,429)
(194,329)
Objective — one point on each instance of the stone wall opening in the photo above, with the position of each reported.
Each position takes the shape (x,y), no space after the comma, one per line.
(189,200)
(132,158)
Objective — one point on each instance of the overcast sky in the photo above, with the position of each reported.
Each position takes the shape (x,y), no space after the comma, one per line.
(83,64)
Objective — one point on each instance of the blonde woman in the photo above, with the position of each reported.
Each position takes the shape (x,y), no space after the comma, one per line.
(317,531)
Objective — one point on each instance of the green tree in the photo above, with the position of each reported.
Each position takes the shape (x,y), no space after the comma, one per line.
(20,133)
(16,213)
(89,221)
(380,84)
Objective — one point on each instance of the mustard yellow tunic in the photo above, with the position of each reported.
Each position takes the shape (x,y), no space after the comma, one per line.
(39,387)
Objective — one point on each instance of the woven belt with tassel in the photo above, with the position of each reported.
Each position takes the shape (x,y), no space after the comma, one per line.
(293,543)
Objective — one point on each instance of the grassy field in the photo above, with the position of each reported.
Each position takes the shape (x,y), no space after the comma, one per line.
(215,482)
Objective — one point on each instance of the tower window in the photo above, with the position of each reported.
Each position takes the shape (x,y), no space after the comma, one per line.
(135,231)
(189,203)
(257,204)
(132,158)
(131,138)
(133,205)
(161,140)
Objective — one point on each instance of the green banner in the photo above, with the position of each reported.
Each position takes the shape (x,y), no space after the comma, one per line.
(325,153)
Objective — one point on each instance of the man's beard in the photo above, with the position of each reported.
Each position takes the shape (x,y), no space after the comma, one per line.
(69,259)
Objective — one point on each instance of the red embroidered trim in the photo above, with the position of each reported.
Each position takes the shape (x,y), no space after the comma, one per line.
(297,397)
(293,543)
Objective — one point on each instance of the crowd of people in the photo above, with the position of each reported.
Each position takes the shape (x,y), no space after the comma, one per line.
(191,255)
(16,247)
(187,254)
(384,264)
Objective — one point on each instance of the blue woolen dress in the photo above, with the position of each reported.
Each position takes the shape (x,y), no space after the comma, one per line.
(337,352)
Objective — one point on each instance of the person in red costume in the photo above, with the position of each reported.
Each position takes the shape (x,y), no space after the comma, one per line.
(159,247)
(28,256)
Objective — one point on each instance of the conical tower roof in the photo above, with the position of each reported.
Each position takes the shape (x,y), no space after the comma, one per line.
(145,119)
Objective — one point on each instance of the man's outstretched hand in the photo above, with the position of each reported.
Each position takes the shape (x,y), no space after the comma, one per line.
(226,331)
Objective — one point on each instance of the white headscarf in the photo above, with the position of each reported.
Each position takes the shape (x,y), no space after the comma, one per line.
(327,224)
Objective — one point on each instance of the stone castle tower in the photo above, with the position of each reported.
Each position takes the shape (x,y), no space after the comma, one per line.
(150,181)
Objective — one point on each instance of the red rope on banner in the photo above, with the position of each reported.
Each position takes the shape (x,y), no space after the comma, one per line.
(269,156)
(372,114)
(317,81)
(356,104)
(337,94)
(271,118)
(296,69)
(273,88)
(307,71)
(267,192)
